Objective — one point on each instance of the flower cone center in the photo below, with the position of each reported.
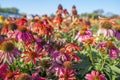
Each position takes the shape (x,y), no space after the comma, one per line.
(7,46)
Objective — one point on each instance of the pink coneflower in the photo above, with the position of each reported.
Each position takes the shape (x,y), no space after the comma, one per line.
(66,74)
(23,35)
(8,52)
(57,62)
(95,75)
(4,68)
(106,28)
(83,35)
(107,33)
(117,32)
(113,51)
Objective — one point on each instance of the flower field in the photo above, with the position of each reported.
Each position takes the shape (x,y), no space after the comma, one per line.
(64,47)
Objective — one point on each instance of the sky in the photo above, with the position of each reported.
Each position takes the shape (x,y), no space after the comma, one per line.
(41,7)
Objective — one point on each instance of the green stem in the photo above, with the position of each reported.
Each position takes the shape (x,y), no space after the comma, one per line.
(91,56)
(103,63)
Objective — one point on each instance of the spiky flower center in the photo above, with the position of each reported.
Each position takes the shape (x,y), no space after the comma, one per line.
(102,49)
(117,28)
(62,50)
(57,35)
(110,45)
(7,46)
(10,75)
(106,25)
(66,77)
(44,63)
(89,41)
(68,64)
(32,55)
(24,76)
(83,32)
(97,78)
(22,29)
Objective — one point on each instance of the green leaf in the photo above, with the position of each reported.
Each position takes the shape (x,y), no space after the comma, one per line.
(115,69)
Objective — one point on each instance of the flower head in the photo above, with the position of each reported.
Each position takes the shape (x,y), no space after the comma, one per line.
(95,75)
(68,64)
(111,48)
(31,55)
(83,35)
(110,45)
(106,25)
(24,76)
(66,74)
(24,35)
(8,52)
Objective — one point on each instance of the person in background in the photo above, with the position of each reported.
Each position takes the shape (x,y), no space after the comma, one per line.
(74,13)
(65,13)
(60,9)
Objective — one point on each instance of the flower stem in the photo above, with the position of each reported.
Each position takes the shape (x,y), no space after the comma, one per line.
(90,55)
(103,63)
(91,58)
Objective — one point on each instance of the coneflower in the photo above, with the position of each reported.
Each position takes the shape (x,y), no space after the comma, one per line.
(23,35)
(111,48)
(83,35)
(106,28)
(33,55)
(67,74)
(8,52)
(117,32)
(24,76)
(95,75)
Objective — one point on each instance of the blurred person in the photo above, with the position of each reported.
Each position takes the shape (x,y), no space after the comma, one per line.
(60,9)
(74,13)
(66,13)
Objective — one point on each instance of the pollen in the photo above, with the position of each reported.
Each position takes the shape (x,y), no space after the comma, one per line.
(83,32)
(68,64)
(106,25)
(24,76)
(110,45)
(7,46)
(32,55)
(22,29)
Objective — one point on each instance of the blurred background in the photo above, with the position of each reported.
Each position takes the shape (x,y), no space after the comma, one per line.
(91,9)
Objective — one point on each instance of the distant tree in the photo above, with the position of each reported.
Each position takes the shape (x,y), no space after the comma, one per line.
(52,15)
(94,14)
(9,10)
(14,10)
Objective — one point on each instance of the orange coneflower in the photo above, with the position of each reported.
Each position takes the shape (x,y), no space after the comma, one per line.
(33,56)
